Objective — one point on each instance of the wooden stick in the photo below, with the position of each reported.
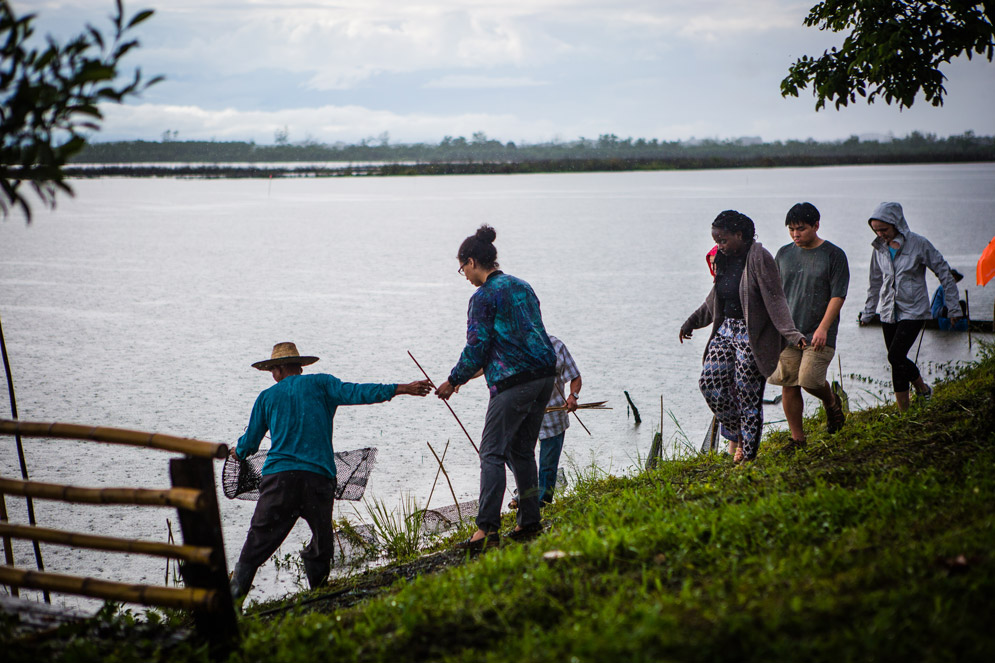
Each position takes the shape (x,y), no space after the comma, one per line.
(190,499)
(194,554)
(8,549)
(445,401)
(168,597)
(600,405)
(459,512)
(20,454)
(575,414)
(432,492)
(967,305)
(184,445)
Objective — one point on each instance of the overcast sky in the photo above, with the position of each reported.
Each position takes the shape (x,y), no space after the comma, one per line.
(518,70)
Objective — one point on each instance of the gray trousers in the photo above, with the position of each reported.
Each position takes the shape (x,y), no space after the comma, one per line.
(283,498)
(511,429)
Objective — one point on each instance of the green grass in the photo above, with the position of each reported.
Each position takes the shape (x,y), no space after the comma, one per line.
(874,544)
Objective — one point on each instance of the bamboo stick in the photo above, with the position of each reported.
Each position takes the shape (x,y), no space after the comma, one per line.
(432,492)
(600,405)
(193,554)
(8,549)
(180,498)
(563,396)
(168,597)
(459,512)
(184,445)
(446,402)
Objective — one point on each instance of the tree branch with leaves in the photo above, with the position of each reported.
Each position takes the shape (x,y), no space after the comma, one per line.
(50,96)
(894,49)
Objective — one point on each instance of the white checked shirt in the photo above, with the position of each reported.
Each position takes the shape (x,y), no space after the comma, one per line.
(555,423)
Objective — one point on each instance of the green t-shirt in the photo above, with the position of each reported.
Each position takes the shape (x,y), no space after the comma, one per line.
(811,277)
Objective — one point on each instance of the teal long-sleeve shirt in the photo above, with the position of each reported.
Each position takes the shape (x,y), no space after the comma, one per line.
(298,411)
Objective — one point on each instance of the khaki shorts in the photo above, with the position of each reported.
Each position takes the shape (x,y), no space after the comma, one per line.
(802,368)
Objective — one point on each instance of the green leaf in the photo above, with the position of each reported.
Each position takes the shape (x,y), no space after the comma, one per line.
(139,17)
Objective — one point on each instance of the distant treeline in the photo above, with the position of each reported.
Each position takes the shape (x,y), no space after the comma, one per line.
(481,155)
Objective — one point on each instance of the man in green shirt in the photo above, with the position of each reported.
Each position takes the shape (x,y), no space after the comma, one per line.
(815,276)
(298,477)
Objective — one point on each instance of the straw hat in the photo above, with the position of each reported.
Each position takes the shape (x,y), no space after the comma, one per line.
(284,353)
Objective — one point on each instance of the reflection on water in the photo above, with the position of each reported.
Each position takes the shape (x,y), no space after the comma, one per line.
(141,304)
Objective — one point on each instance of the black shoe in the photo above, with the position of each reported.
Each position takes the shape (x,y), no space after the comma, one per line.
(491,540)
(525,533)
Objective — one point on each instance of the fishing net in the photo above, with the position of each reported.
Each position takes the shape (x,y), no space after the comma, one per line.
(446,518)
(240,478)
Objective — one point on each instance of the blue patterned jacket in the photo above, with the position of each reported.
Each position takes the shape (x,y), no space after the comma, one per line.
(504,336)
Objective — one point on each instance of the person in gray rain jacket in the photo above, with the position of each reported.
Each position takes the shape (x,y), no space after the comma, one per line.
(897,292)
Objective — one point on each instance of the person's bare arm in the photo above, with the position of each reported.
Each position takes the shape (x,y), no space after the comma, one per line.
(820,335)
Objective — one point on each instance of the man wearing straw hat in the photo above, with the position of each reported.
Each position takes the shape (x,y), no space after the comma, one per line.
(298,477)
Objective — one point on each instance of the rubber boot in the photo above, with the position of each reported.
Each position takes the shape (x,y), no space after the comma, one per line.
(241,582)
(316,571)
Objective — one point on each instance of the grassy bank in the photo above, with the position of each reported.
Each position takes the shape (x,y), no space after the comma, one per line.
(874,544)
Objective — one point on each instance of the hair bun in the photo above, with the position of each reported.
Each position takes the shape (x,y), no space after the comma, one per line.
(486,234)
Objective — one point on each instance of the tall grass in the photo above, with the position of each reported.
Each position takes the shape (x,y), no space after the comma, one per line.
(398,533)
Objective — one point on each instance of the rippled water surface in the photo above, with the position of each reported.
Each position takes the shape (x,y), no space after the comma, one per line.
(142,302)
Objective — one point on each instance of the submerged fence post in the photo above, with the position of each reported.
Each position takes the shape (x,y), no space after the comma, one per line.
(635,412)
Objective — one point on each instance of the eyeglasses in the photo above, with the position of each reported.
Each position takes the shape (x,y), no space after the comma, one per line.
(460,270)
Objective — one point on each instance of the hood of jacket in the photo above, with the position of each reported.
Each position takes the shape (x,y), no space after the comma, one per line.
(890,213)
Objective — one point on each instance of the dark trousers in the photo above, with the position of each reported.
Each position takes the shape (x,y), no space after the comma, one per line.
(283,498)
(899,338)
(511,429)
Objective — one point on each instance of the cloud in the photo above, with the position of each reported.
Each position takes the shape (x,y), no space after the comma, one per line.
(326,124)
(482,82)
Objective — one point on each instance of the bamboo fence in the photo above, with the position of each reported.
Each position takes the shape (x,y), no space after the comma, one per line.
(183,445)
(180,498)
(189,598)
(194,554)
(192,494)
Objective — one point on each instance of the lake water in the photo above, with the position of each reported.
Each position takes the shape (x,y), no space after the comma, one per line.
(141,303)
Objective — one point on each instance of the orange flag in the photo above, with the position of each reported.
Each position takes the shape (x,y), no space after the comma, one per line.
(986,264)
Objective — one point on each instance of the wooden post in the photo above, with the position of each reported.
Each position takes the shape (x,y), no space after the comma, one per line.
(203,528)
(635,412)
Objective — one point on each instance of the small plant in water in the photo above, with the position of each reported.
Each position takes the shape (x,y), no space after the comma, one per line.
(398,534)
(293,564)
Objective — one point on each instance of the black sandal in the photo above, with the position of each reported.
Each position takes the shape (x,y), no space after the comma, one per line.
(488,540)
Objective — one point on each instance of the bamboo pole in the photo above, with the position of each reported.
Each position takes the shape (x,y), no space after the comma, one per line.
(181,498)
(600,405)
(575,414)
(445,401)
(459,512)
(134,438)
(168,597)
(193,554)
(20,453)
(8,550)
(432,492)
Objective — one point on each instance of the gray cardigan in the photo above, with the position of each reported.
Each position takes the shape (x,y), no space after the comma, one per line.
(765,309)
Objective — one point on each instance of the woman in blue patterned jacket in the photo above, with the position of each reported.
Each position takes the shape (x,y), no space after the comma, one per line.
(505,338)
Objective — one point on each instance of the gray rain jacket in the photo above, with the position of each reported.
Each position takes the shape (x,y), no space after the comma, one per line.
(897,288)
